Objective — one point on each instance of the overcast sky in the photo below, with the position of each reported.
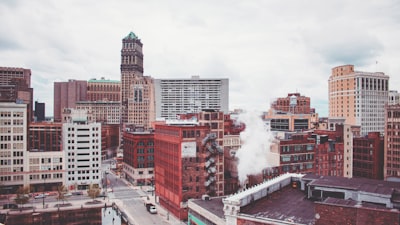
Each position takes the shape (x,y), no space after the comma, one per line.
(267,48)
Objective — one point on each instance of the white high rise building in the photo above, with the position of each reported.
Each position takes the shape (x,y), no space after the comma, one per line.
(82,148)
(359,97)
(13,145)
(181,96)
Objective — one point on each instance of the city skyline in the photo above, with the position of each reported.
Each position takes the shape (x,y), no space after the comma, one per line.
(256,45)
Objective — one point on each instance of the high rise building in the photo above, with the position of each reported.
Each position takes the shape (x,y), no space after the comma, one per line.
(137,91)
(106,112)
(183,165)
(66,94)
(360,97)
(39,111)
(392,143)
(81,141)
(104,90)
(13,145)
(15,86)
(180,96)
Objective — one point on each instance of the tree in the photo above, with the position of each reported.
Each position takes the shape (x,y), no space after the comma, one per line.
(62,190)
(93,191)
(22,195)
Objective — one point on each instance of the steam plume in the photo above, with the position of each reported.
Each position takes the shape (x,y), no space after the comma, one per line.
(254,154)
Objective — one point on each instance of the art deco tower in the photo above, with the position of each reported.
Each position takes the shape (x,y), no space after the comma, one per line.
(137,91)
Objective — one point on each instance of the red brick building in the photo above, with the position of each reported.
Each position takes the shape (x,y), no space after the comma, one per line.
(104,90)
(138,157)
(293,103)
(66,94)
(368,156)
(184,167)
(45,137)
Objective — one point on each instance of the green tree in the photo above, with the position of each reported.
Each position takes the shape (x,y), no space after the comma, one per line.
(62,190)
(93,191)
(22,196)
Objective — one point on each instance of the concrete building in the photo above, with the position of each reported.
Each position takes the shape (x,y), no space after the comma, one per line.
(81,141)
(294,103)
(66,94)
(359,97)
(106,112)
(137,91)
(290,122)
(368,156)
(392,143)
(15,86)
(181,96)
(46,156)
(13,145)
(394,97)
(103,90)
(303,199)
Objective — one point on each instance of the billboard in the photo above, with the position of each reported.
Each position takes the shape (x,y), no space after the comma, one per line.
(188,149)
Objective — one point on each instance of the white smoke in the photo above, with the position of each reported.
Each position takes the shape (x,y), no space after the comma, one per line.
(254,154)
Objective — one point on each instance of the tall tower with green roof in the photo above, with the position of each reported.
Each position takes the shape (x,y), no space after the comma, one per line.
(137,91)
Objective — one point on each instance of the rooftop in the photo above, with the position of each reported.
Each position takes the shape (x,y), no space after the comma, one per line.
(131,35)
(286,204)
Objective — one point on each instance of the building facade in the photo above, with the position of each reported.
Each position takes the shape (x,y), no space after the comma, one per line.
(392,143)
(81,141)
(66,94)
(13,145)
(40,111)
(181,164)
(103,90)
(360,97)
(137,91)
(180,96)
(106,112)
(15,86)
(368,156)
(138,160)
(293,103)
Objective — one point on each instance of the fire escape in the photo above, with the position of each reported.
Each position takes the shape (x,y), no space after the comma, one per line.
(213,150)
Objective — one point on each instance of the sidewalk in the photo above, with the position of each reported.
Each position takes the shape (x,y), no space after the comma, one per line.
(167,217)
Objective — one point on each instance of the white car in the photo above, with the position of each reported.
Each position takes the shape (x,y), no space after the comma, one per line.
(152,210)
(40,196)
(68,194)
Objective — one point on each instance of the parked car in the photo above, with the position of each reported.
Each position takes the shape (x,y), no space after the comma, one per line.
(40,196)
(10,206)
(67,194)
(77,193)
(151,208)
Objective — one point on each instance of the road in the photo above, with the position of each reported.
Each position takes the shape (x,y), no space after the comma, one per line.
(132,199)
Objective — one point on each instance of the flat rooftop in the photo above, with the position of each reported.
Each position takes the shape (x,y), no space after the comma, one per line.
(359,184)
(214,206)
(286,204)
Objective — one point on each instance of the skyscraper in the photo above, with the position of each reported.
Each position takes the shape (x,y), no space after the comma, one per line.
(40,111)
(181,96)
(359,97)
(137,91)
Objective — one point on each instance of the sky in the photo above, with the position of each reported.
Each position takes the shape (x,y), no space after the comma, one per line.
(267,48)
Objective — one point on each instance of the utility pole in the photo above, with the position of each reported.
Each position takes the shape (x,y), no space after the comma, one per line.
(44,187)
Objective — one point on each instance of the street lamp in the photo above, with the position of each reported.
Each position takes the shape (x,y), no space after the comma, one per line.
(44,187)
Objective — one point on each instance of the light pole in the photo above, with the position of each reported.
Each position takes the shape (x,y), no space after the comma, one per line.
(44,187)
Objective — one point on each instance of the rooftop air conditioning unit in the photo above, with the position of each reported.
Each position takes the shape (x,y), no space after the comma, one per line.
(205,197)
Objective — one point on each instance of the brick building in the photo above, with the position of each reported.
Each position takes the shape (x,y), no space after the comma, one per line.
(66,94)
(392,143)
(368,156)
(103,90)
(138,160)
(184,164)
(294,103)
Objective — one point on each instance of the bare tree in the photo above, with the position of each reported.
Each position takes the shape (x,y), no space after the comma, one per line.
(22,196)
(93,191)
(62,190)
